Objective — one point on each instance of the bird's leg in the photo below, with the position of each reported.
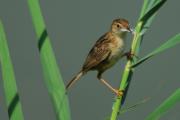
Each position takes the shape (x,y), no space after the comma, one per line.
(116,91)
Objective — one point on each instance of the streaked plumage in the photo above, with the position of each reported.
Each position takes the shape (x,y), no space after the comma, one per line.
(106,52)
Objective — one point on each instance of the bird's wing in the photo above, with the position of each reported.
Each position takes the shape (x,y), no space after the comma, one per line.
(98,53)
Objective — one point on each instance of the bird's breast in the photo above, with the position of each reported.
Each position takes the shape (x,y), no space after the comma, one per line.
(117,47)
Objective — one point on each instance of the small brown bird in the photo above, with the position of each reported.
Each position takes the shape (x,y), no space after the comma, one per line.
(108,49)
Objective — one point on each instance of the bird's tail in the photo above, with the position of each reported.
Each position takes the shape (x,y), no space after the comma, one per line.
(77,77)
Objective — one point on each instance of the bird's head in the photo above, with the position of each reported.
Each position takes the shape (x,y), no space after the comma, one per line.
(120,26)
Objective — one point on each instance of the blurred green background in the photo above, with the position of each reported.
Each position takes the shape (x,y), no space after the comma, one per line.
(73,27)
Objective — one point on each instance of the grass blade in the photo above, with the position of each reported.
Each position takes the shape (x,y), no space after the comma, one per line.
(152,11)
(144,8)
(148,12)
(51,72)
(147,5)
(169,44)
(165,106)
(133,107)
(12,98)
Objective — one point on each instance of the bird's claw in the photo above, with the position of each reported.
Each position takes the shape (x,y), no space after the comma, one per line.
(130,55)
(118,92)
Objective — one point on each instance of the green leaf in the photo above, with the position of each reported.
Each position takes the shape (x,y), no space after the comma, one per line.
(165,106)
(144,8)
(152,7)
(132,107)
(53,79)
(169,44)
(147,5)
(148,12)
(12,98)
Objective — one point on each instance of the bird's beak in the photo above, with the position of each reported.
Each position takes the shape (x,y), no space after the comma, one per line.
(127,30)
(131,30)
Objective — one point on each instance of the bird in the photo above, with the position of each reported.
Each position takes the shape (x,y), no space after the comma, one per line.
(105,53)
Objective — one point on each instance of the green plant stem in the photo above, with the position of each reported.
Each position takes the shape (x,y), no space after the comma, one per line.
(9,83)
(147,14)
(125,77)
(53,79)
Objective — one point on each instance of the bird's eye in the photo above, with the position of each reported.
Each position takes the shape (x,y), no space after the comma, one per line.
(118,25)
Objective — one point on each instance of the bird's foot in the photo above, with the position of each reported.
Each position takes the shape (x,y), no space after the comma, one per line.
(130,55)
(118,92)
